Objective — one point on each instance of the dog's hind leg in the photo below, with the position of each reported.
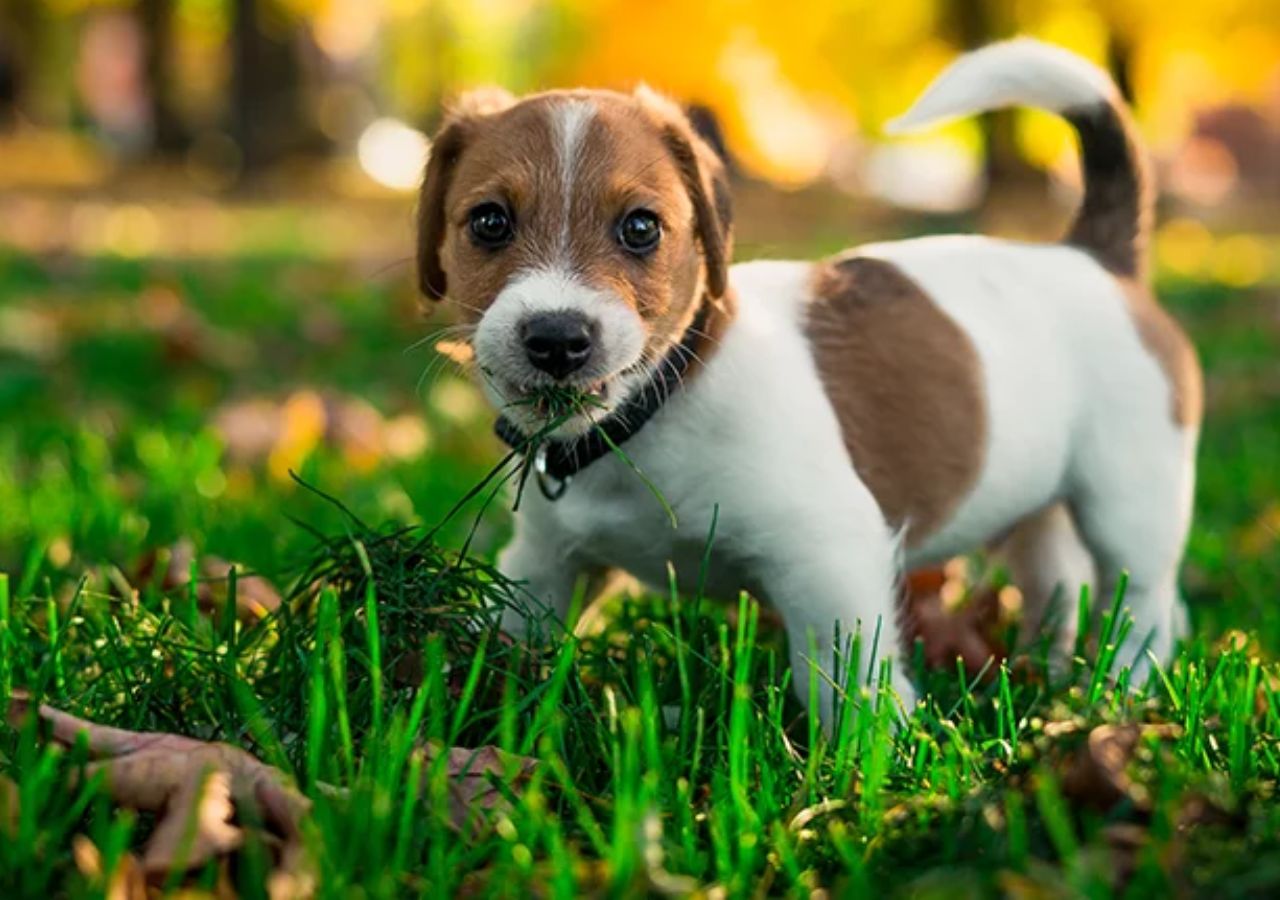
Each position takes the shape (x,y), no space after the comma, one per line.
(1048,563)
(1134,512)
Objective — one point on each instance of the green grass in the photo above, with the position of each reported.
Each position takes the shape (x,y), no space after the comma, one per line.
(673,758)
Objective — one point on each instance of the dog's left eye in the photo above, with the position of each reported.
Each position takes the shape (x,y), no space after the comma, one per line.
(491,225)
(639,231)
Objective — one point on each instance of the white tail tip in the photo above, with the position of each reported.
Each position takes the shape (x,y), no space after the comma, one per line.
(1020,72)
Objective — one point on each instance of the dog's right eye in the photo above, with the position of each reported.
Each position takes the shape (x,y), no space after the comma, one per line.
(491,226)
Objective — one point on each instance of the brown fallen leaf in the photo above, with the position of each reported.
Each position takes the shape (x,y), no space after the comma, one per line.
(1196,810)
(256,597)
(198,788)
(951,619)
(473,778)
(184,334)
(356,428)
(196,826)
(282,432)
(294,877)
(1098,774)
(8,805)
(249,428)
(127,881)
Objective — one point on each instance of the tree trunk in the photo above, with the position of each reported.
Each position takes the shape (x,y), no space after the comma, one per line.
(20,32)
(976,23)
(169,129)
(267,118)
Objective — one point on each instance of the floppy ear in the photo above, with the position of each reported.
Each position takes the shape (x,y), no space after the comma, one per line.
(448,146)
(706,181)
(445,150)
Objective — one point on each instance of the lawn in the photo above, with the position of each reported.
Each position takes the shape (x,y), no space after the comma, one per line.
(287,416)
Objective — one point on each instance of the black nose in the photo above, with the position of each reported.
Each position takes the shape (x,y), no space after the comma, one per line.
(558,342)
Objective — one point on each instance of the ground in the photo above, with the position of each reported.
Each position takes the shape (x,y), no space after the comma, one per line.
(285,413)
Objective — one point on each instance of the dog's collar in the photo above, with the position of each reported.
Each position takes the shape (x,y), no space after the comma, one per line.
(556,462)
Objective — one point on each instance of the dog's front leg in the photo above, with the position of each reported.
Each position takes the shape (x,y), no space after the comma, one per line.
(845,578)
(549,574)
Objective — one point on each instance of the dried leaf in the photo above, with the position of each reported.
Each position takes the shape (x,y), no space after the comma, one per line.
(127,881)
(1099,772)
(473,779)
(282,433)
(356,428)
(249,428)
(8,805)
(196,826)
(84,853)
(952,620)
(255,595)
(1199,811)
(294,877)
(1126,841)
(19,704)
(185,335)
(195,786)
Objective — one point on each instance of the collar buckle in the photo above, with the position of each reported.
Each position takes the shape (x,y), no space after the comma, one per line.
(552,488)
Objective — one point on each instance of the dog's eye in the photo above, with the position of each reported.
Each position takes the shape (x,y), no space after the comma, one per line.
(491,226)
(639,231)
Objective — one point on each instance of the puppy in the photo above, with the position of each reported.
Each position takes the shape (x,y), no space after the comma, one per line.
(838,420)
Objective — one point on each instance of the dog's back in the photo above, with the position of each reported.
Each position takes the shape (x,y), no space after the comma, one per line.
(1053,365)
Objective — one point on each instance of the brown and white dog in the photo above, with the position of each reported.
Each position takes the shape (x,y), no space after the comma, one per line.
(888,408)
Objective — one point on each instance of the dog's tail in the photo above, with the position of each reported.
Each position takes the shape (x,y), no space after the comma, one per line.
(1114,220)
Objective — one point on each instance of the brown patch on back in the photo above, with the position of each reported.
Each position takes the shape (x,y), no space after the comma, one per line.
(1166,341)
(906,385)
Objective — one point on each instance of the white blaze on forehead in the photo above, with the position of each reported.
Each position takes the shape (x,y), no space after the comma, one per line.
(570,120)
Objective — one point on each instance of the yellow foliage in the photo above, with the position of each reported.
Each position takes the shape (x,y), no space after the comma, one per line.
(303,425)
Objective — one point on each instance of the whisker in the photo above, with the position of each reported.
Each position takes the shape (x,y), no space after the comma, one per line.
(441,333)
(383,270)
(706,336)
(686,354)
(479,311)
(675,369)
(435,369)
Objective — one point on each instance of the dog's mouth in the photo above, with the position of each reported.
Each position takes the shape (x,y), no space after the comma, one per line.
(557,400)
(564,409)
(535,405)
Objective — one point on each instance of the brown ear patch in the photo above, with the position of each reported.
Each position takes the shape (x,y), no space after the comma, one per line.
(710,213)
(906,386)
(1165,340)
(445,150)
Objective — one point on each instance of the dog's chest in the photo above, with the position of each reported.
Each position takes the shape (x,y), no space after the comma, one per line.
(612,516)
(749,444)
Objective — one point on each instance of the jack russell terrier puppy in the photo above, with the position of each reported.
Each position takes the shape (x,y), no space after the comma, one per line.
(890,407)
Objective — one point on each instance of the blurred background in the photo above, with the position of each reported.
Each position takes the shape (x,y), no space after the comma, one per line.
(205,237)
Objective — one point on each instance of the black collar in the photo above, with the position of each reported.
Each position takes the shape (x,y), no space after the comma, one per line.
(556,462)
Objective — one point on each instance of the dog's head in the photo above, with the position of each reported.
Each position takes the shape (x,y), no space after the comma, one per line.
(578,232)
